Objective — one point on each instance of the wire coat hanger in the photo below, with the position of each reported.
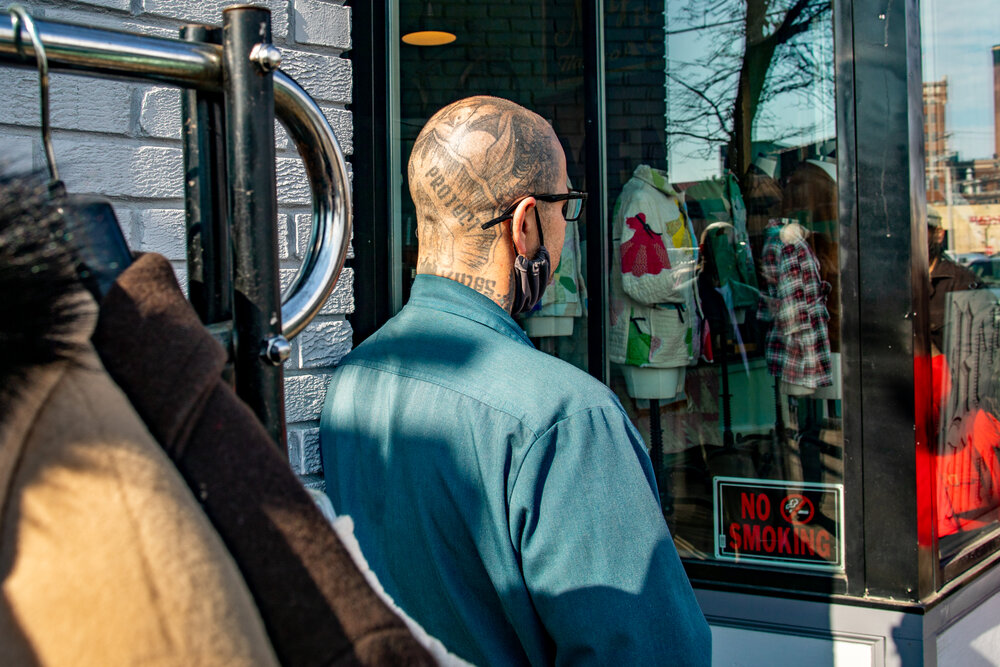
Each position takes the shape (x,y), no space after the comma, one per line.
(21,17)
(92,226)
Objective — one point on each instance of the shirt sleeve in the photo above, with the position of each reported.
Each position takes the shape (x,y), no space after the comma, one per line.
(595,551)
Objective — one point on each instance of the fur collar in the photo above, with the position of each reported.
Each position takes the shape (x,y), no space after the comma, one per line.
(42,309)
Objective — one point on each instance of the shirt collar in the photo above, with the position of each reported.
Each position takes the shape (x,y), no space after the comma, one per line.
(449,296)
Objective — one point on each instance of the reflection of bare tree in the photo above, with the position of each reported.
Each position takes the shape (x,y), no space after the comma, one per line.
(755,58)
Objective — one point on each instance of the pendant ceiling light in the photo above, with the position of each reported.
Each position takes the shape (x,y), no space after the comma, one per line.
(428,32)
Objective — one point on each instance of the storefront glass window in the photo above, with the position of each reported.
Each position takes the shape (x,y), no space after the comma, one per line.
(725,300)
(960,42)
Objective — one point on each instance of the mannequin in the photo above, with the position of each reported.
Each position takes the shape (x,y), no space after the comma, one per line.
(792,389)
(653,383)
(811,195)
(655,314)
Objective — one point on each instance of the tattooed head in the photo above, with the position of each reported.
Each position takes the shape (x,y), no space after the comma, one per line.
(472,159)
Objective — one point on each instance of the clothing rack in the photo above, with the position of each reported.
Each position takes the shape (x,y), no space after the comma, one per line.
(232,93)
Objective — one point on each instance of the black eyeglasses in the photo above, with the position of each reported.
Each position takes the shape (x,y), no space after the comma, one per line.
(571,213)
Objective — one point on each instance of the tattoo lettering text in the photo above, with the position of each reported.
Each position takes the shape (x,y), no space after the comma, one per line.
(478,283)
(448,198)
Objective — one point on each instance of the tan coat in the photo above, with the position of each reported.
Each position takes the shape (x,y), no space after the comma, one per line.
(105,556)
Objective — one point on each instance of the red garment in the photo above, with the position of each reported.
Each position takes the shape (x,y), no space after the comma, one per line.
(925,439)
(644,253)
(969,473)
(965,475)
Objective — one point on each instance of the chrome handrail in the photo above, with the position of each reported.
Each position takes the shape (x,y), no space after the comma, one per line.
(115,54)
(331,229)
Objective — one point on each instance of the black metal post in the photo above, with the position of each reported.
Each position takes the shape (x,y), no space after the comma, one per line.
(372,263)
(728,441)
(210,287)
(889,165)
(249,60)
(598,212)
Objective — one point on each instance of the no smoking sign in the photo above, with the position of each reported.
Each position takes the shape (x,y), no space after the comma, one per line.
(794,524)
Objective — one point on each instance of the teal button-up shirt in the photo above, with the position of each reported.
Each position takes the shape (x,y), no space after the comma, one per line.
(501,495)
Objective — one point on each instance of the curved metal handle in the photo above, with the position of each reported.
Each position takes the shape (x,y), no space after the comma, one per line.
(331,215)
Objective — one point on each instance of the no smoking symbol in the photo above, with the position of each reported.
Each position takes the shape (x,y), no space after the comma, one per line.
(797,508)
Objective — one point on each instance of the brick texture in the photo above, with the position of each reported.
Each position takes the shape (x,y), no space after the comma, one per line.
(326,79)
(19,153)
(303,450)
(304,394)
(341,299)
(123,5)
(77,103)
(122,140)
(210,12)
(322,23)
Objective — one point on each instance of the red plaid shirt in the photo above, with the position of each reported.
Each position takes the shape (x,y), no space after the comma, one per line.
(798,343)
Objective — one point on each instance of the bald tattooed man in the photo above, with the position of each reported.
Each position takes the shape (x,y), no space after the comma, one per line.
(500,494)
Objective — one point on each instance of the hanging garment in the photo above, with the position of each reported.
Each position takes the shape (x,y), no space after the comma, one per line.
(971,334)
(655,315)
(102,540)
(709,201)
(726,266)
(316,605)
(106,558)
(949,281)
(968,467)
(566,295)
(798,345)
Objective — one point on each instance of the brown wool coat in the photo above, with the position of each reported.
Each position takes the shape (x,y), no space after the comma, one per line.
(316,605)
(105,556)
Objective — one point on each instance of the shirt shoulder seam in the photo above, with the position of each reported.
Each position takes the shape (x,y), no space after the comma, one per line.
(540,436)
(374,365)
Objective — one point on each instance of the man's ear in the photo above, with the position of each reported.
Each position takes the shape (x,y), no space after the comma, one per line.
(525,236)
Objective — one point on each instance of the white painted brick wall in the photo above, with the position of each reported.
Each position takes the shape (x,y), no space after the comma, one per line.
(122,140)
(326,80)
(323,23)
